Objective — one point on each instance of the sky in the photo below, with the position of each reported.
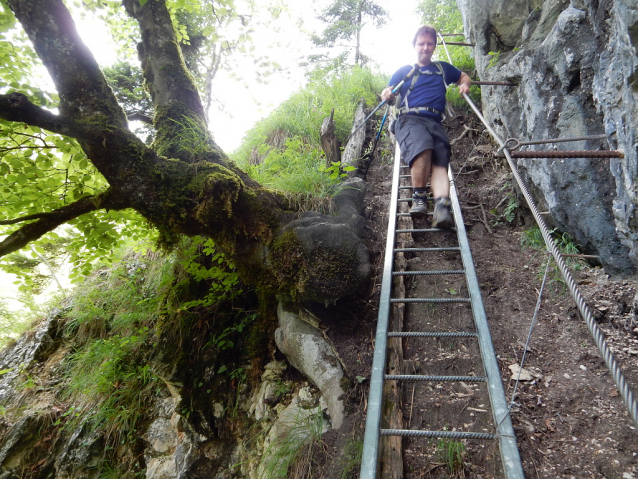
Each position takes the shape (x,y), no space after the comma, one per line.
(390,47)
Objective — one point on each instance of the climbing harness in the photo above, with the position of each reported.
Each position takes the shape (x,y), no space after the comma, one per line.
(399,109)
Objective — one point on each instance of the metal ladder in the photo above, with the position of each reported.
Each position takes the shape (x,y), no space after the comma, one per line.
(504,431)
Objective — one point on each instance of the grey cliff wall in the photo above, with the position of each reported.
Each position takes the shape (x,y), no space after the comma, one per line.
(576,63)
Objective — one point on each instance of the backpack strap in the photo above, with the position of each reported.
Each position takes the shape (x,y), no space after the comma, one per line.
(438,65)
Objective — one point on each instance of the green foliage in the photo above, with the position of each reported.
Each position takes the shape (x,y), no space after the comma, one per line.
(122,298)
(352,454)
(294,450)
(444,15)
(455,99)
(494,58)
(533,238)
(283,151)
(345,19)
(128,85)
(452,454)
(203,263)
(223,341)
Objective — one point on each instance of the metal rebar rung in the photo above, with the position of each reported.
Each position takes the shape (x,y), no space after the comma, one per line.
(415,334)
(495,83)
(565,154)
(441,434)
(442,379)
(429,300)
(425,230)
(424,250)
(424,273)
(405,187)
(408,214)
(405,176)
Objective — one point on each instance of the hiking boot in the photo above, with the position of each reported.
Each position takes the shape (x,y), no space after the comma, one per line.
(442,217)
(419,206)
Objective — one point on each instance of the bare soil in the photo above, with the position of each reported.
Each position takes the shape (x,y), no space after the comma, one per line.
(569,419)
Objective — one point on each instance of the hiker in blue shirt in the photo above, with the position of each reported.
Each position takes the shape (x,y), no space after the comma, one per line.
(424,144)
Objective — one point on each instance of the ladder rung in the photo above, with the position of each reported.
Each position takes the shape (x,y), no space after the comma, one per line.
(405,176)
(408,214)
(416,334)
(423,273)
(424,250)
(429,300)
(442,434)
(425,230)
(405,187)
(416,377)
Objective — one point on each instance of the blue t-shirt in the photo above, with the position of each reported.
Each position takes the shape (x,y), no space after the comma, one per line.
(429,89)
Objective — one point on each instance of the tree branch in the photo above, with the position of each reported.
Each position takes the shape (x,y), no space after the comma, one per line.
(84,92)
(139,117)
(17,107)
(49,221)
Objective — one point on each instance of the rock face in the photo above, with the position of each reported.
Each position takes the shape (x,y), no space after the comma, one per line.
(575,63)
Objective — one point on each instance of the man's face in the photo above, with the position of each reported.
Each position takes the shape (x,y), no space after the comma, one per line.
(424,47)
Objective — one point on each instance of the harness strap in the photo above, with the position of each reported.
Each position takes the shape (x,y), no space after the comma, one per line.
(418,109)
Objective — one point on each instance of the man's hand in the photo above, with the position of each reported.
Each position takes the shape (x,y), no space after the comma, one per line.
(464,83)
(387,95)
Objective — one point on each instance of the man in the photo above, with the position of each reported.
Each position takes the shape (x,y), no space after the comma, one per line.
(424,144)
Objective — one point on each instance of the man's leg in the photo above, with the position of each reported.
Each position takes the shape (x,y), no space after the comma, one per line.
(440,183)
(420,171)
(442,217)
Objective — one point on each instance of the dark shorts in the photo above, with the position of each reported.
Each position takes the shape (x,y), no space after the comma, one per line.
(416,134)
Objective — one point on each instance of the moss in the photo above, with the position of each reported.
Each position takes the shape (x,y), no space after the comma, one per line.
(289,264)
(220,190)
(182,133)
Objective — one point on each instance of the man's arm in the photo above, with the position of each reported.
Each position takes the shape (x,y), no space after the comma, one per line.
(464,83)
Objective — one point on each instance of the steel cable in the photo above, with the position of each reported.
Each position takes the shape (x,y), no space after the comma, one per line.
(599,337)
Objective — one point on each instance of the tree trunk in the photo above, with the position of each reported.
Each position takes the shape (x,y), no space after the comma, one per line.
(353,151)
(357,55)
(329,142)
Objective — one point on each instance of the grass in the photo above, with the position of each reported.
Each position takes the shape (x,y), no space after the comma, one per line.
(452,454)
(352,453)
(283,151)
(108,383)
(533,238)
(290,454)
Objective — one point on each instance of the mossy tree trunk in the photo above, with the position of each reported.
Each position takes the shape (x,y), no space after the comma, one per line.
(183,183)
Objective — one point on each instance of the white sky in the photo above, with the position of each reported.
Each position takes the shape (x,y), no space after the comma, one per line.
(390,47)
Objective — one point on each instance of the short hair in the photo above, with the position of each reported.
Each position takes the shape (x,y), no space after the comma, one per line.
(424,30)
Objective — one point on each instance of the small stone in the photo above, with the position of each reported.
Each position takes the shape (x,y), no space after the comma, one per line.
(566,376)
(525,375)
(583,367)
